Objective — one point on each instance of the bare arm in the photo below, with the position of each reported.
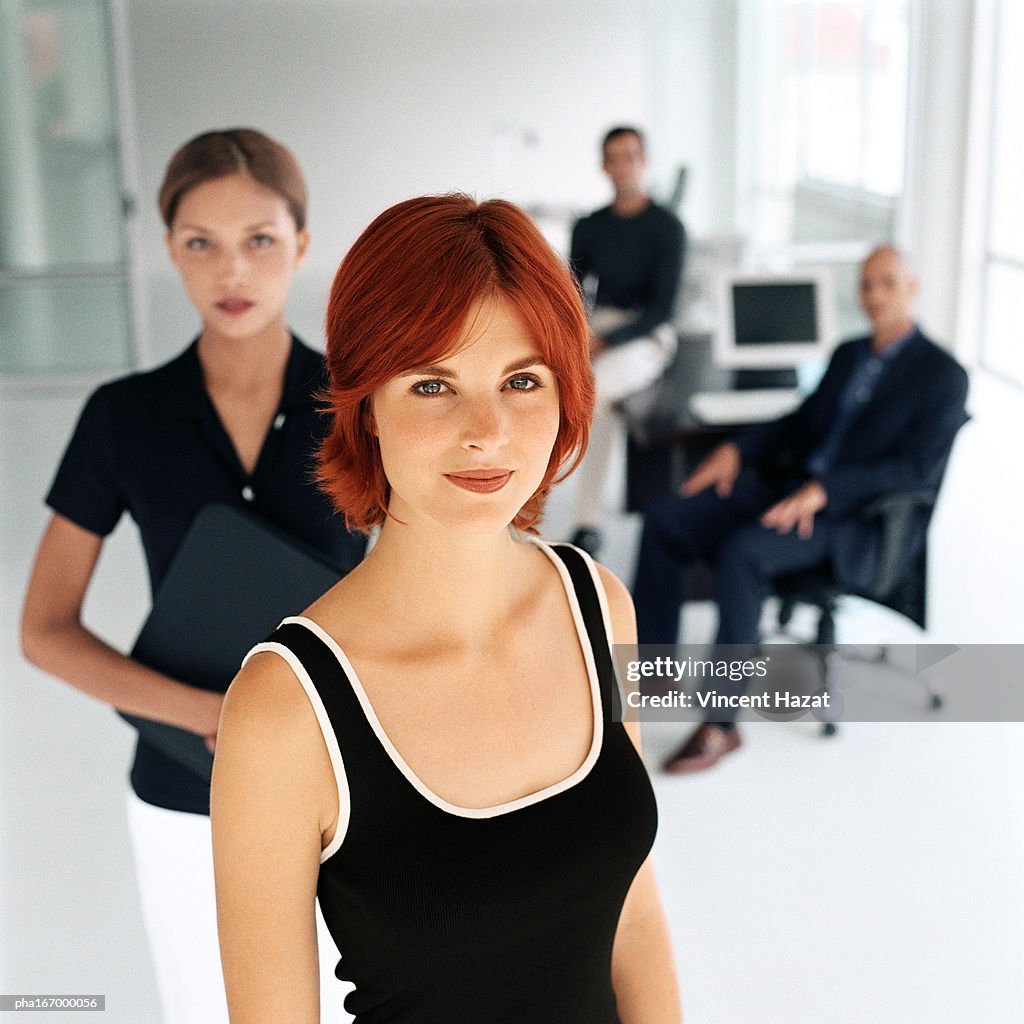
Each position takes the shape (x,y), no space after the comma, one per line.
(54,639)
(643,966)
(643,969)
(273,805)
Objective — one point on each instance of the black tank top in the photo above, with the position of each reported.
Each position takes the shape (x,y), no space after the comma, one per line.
(484,915)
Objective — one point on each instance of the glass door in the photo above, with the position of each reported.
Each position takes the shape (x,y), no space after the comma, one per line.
(65,297)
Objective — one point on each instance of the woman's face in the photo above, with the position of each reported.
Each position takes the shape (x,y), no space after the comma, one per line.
(236,247)
(466,442)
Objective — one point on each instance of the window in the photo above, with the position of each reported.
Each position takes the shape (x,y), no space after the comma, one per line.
(847,69)
(1003,274)
(64,281)
(823,103)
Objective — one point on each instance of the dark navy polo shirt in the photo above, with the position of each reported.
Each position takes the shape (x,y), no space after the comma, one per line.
(153,445)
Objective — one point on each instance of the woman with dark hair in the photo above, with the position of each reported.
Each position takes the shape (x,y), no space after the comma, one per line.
(234,419)
(430,748)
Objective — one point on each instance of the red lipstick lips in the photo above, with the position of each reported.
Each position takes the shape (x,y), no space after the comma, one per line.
(480,481)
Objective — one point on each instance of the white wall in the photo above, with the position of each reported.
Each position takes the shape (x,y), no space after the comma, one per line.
(381,101)
(693,56)
(937,133)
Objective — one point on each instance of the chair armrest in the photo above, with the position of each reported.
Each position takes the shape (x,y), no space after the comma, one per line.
(899,503)
(896,511)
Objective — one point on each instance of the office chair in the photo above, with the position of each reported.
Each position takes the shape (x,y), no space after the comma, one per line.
(675,200)
(899,583)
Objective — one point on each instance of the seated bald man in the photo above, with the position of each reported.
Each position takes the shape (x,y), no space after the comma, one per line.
(786,496)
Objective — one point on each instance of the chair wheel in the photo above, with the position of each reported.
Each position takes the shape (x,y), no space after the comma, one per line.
(829,729)
(935,702)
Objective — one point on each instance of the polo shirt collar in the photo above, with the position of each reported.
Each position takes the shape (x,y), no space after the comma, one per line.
(189,396)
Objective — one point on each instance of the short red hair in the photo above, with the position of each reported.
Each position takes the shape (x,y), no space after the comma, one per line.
(400,300)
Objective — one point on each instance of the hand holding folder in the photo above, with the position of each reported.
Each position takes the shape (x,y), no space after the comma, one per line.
(230,584)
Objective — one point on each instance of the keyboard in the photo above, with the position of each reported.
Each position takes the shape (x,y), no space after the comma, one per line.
(758,405)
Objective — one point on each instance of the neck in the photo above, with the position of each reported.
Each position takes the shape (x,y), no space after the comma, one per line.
(244,363)
(628,202)
(448,582)
(886,336)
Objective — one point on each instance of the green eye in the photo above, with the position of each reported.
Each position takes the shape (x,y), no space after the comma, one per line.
(429,387)
(523,382)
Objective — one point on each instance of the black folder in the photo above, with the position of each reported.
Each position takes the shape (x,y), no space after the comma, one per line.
(231,582)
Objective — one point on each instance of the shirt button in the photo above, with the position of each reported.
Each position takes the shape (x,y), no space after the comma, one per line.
(279,421)
(248,493)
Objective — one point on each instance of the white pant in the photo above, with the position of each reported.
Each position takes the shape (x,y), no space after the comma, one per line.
(174,866)
(618,373)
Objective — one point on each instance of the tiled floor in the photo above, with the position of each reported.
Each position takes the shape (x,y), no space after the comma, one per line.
(876,876)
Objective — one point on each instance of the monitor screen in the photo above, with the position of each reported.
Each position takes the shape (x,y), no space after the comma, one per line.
(776,320)
(774,314)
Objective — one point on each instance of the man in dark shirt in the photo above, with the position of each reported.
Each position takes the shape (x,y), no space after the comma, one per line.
(787,496)
(629,258)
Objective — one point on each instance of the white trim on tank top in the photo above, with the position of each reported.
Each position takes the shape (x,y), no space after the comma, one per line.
(597,734)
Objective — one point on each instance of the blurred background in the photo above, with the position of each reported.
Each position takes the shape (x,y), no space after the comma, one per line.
(805,130)
(786,133)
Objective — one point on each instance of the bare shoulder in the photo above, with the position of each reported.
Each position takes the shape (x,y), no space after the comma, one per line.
(350,610)
(269,741)
(620,606)
(266,697)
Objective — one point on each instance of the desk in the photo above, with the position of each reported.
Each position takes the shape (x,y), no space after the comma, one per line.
(664,438)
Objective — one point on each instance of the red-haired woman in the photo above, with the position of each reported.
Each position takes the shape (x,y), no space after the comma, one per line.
(430,747)
(234,419)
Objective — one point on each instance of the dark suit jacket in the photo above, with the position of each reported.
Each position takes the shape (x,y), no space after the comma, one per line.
(899,441)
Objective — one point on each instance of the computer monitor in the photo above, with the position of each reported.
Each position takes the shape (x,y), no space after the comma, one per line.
(773,320)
